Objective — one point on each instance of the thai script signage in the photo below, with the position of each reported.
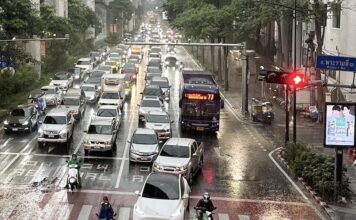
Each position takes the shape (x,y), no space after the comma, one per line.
(336,63)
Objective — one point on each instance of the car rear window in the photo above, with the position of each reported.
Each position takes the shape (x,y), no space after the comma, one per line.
(161,187)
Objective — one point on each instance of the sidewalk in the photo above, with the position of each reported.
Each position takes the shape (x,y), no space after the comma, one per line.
(308,133)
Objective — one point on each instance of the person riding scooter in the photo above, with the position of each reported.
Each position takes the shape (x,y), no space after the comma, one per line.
(203,205)
(75,161)
(41,105)
(106,211)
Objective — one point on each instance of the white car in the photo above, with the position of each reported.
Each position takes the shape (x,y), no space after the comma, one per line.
(110,112)
(86,64)
(163,196)
(149,103)
(91,91)
(63,80)
(52,94)
(160,122)
(111,98)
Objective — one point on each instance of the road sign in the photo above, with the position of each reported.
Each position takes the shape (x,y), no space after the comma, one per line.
(336,63)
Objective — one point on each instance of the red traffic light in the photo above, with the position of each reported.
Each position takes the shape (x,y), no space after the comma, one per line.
(296,79)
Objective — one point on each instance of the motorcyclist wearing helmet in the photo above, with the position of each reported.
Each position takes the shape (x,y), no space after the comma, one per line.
(106,210)
(206,204)
(75,161)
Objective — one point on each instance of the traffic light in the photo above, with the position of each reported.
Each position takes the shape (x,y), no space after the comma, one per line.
(297,80)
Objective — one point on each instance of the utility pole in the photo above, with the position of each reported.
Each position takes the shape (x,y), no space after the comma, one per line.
(294,70)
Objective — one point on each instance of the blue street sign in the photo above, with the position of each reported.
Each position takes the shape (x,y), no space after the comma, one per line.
(336,63)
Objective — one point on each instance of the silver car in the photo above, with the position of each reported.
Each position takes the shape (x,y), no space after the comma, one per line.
(180,156)
(52,95)
(111,112)
(91,91)
(144,145)
(149,103)
(160,122)
(101,136)
(57,127)
(163,83)
(63,80)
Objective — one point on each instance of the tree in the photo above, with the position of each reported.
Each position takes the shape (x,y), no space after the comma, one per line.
(80,16)
(121,9)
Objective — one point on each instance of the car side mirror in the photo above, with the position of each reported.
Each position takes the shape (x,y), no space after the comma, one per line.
(128,141)
(70,122)
(137,193)
(195,154)
(185,196)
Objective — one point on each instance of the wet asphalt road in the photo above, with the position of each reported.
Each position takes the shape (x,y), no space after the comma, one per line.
(237,170)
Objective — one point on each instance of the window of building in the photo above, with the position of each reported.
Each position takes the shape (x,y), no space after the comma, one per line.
(336,17)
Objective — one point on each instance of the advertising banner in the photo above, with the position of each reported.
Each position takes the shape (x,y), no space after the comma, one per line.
(339,126)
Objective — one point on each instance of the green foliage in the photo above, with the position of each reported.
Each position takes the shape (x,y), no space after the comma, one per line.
(24,80)
(121,9)
(81,16)
(316,169)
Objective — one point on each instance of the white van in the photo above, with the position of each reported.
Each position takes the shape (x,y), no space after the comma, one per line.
(114,82)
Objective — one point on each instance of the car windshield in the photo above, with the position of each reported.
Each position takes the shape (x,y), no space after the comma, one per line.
(157,118)
(93,80)
(171,59)
(104,67)
(153,69)
(162,84)
(154,62)
(19,112)
(129,65)
(175,151)
(135,61)
(49,90)
(55,120)
(100,129)
(155,50)
(98,73)
(150,103)
(111,63)
(86,62)
(70,101)
(154,55)
(129,70)
(161,188)
(152,91)
(144,139)
(88,88)
(107,113)
(110,95)
(60,77)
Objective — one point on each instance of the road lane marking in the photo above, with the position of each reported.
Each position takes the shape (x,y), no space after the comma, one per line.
(223,216)
(244,217)
(84,212)
(63,156)
(79,145)
(124,213)
(16,157)
(66,210)
(292,182)
(6,142)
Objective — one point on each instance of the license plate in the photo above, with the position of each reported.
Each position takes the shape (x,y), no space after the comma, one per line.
(51,136)
(15,129)
(144,158)
(200,128)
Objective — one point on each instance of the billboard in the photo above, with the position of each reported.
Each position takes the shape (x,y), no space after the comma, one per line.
(339,126)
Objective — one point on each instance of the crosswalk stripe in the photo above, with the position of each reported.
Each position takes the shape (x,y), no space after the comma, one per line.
(84,212)
(223,216)
(244,217)
(65,212)
(273,218)
(124,213)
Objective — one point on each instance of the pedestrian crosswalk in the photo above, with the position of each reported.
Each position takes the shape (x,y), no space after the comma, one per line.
(88,212)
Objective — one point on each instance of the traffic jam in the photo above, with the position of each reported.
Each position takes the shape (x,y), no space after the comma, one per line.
(137,128)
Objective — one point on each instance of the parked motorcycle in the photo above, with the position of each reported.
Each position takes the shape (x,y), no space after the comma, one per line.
(202,214)
(72,179)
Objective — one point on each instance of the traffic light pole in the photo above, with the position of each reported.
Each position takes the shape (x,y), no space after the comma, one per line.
(294,70)
(286,139)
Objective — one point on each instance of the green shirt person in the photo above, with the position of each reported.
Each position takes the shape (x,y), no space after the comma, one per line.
(75,161)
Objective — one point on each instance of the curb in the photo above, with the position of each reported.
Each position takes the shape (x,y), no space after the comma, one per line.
(316,197)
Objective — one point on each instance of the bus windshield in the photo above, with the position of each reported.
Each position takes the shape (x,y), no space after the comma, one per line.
(200,109)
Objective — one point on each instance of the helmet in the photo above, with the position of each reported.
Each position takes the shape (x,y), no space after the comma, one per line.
(74,156)
(105,198)
(206,197)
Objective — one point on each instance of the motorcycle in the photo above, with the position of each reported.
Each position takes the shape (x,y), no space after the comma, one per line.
(72,180)
(107,218)
(202,214)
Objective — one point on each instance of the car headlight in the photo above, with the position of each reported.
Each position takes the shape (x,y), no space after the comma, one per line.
(63,133)
(6,122)
(76,76)
(25,123)
(157,166)
(167,130)
(107,142)
(183,168)
(178,212)
(139,211)
(40,132)
(92,97)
